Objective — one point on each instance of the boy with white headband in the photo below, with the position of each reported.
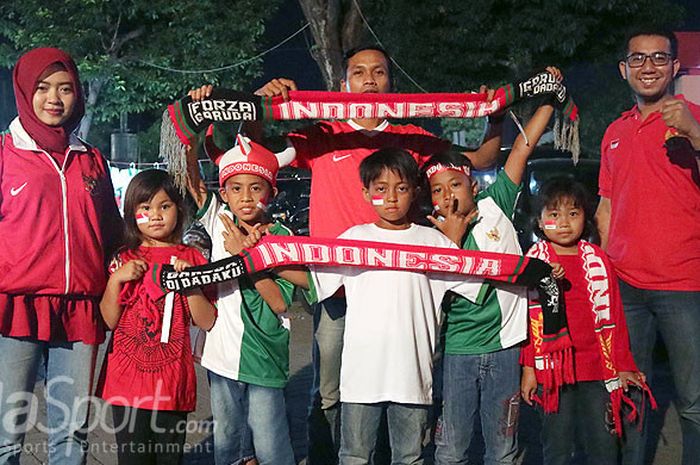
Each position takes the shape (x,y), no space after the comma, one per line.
(246,353)
(480,370)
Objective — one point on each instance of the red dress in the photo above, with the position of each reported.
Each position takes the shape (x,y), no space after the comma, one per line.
(139,370)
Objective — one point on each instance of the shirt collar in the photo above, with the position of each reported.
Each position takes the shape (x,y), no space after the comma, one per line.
(634,111)
(382,126)
(22,140)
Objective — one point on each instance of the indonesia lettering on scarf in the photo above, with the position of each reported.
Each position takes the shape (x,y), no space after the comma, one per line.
(273,251)
(186,118)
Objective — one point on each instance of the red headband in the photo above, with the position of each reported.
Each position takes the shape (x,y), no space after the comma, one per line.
(439,168)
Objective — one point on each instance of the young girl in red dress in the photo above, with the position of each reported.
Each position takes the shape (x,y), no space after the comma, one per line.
(580,358)
(149,377)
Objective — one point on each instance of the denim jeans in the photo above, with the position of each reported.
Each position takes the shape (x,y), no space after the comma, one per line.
(582,414)
(487,385)
(360,424)
(69,370)
(239,408)
(676,316)
(324,411)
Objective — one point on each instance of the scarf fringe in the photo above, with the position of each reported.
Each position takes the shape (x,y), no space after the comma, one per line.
(558,370)
(566,136)
(173,152)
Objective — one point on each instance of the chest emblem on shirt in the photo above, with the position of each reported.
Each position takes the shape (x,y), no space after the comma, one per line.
(337,158)
(90,184)
(16,190)
(614,144)
(494,235)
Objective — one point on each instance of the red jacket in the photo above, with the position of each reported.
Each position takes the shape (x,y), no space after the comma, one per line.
(57,223)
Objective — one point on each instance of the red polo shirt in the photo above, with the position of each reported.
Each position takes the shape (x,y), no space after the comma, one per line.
(654,236)
(333,151)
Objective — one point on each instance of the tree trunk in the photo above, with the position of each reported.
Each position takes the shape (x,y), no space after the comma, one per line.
(94,88)
(336,27)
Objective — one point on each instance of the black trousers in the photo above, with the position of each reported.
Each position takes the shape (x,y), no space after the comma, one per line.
(149,437)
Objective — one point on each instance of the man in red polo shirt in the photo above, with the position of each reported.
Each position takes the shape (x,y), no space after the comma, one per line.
(649,222)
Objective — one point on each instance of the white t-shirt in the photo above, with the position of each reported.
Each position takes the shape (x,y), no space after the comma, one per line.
(248,342)
(392,321)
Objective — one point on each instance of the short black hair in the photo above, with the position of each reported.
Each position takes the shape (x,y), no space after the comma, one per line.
(397,160)
(652,31)
(558,189)
(355,50)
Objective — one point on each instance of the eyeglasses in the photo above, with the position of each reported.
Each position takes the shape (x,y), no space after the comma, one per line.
(637,60)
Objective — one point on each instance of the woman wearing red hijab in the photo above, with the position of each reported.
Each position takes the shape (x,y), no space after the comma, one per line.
(59,224)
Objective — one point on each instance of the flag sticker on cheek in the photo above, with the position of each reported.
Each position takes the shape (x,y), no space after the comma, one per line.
(550,224)
(377,200)
(142,218)
(261,206)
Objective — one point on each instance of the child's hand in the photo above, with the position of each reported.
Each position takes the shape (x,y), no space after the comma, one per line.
(554,71)
(455,224)
(201,93)
(181,265)
(631,377)
(528,385)
(235,240)
(557,270)
(130,271)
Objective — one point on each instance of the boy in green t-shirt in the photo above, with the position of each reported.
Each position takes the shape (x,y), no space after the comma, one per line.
(246,352)
(481,373)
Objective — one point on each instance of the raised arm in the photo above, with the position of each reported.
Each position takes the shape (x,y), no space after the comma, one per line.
(519,154)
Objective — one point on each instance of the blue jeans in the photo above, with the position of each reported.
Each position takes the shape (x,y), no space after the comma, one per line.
(69,370)
(360,424)
(676,316)
(487,385)
(324,411)
(241,408)
(582,414)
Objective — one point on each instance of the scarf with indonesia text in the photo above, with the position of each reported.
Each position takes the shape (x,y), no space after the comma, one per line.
(185,119)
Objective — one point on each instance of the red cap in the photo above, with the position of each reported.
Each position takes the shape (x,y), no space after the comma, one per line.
(248,157)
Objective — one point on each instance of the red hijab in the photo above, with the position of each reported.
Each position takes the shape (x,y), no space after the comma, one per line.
(25,77)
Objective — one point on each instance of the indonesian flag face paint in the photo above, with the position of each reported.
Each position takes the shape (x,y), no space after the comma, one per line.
(377,200)
(262,205)
(142,218)
(550,224)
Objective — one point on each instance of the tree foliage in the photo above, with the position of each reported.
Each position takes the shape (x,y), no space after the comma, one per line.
(117,42)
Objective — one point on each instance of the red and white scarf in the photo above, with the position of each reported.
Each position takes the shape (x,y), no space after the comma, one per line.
(276,251)
(186,118)
(552,344)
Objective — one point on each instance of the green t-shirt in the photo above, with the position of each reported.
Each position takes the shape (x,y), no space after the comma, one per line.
(501,320)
